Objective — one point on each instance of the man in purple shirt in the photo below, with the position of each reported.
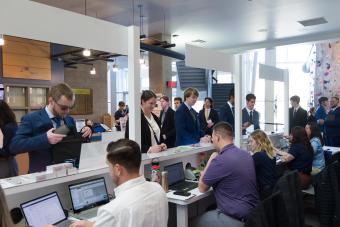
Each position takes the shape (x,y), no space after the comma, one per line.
(231,173)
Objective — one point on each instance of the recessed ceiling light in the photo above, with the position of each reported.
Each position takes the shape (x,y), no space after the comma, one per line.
(87,52)
(198,41)
(263,30)
(313,21)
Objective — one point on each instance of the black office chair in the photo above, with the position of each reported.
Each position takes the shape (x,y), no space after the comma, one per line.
(275,210)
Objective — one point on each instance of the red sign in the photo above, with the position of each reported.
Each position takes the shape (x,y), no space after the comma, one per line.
(171,84)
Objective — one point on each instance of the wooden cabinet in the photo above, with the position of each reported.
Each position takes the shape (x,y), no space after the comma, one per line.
(24,99)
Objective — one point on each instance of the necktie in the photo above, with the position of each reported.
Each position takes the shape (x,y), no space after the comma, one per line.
(233,110)
(193,114)
(251,117)
(295,110)
(206,114)
(57,121)
(163,117)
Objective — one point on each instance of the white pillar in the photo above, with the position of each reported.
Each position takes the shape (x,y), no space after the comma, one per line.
(270,59)
(237,74)
(286,102)
(134,84)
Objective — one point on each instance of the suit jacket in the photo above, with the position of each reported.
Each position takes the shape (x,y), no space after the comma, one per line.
(227,115)
(320,114)
(188,129)
(145,132)
(246,118)
(31,137)
(168,128)
(332,127)
(213,116)
(299,119)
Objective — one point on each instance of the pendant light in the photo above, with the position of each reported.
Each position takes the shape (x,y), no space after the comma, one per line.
(2,40)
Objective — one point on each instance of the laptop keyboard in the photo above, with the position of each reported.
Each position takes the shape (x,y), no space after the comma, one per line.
(184,186)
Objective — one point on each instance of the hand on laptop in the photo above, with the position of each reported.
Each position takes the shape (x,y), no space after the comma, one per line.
(82,223)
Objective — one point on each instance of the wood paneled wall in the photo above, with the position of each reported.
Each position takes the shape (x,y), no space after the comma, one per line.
(26,59)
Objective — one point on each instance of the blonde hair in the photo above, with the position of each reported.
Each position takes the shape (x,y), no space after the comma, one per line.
(5,218)
(263,143)
(190,91)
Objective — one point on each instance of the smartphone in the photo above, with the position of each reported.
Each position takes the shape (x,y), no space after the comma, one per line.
(182,193)
(62,130)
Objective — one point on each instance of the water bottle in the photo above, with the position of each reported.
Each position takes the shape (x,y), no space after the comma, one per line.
(155,171)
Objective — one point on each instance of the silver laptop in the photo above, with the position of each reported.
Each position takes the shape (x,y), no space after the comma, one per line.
(87,196)
(45,210)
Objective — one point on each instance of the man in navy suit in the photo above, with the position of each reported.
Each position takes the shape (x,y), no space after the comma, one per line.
(249,115)
(227,111)
(332,124)
(167,117)
(35,133)
(321,112)
(297,115)
(188,128)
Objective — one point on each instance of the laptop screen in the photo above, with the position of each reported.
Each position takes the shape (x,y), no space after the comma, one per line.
(88,194)
(43,210)
(175,173)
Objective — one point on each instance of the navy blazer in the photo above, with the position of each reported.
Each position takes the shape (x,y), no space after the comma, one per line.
(245,118)
(321,114)
(168,128)
(188,130)
(332,127)
(213,116)
(227,115)
(31,137)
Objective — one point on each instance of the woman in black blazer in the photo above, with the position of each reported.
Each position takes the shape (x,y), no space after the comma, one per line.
(8,128)
(150,125)
(208,116)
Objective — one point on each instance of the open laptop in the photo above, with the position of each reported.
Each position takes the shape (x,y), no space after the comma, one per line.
(87,196)
(45,210)
(176,178)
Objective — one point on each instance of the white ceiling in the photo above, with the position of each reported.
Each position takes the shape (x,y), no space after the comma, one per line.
(223,24)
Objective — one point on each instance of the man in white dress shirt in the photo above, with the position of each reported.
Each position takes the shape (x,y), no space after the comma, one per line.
(138,203)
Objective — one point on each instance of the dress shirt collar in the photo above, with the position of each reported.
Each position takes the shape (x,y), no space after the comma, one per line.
(296,108)
(128,185)
(248,110)
(189,107)
(226,147)
(49,113)
(231,105)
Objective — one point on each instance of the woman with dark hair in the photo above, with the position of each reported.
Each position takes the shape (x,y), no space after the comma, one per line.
(150,125)
(208,116)
(8,128)
(315,137)
(300,155)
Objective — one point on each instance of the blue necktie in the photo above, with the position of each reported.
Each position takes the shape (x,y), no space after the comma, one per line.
(57,121)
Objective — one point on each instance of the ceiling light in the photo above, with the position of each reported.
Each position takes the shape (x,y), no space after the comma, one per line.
(313,21)
(93,71)
(115,68)
(2,41)
(198,41)
(87,52)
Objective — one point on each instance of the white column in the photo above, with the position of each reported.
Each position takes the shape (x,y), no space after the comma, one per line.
(237,73)
(270,59)
(134,84)
(286,102)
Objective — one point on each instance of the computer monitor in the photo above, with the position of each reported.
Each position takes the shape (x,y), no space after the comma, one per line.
(175,173)
(43,210)
(88,194)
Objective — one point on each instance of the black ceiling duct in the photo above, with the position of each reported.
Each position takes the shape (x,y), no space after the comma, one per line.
(162,51)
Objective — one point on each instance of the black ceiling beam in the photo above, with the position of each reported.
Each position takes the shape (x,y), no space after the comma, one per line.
(66,53)
(162,51)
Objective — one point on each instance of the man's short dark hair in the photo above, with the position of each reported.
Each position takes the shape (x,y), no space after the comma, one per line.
(336,98)
(295,98)
(223,129)
(166,98)
(178,99)
(250,97)
(231,93)
(125,152)
(322,99)
(121,103)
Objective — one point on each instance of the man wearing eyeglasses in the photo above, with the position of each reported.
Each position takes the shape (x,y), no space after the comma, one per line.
(35,133)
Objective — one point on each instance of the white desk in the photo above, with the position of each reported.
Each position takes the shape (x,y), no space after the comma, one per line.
(182,205)
(333,150)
